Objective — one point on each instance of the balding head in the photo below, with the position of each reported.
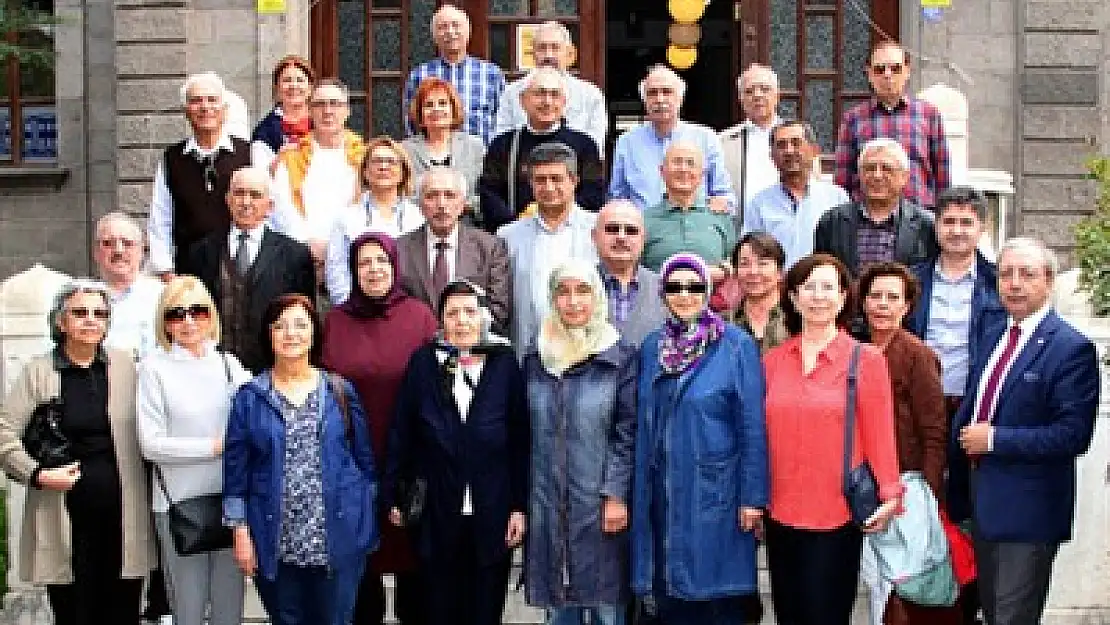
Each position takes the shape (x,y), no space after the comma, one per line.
(451,32)
(248,197)
(619,237)
(551,45)
(682,169)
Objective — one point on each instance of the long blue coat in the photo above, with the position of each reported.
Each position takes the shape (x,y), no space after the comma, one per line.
(583,429)
(715,446)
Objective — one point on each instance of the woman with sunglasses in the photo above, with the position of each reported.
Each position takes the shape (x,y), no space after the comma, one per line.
(181,432)
(86,533)
(700,460)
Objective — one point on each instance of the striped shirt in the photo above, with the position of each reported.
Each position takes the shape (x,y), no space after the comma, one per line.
(914,123)
(621,300)
(479,84)
(948,327)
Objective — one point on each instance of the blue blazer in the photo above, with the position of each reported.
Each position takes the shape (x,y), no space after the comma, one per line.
(489,452)
(986,308)
(1044,420)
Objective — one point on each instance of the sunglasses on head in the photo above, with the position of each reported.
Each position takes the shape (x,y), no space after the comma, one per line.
(693,288)
(83,312)
(198,312)
(629,229)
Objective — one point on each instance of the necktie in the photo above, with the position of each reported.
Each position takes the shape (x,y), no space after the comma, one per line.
(242,255)
(986,404)
(440,272)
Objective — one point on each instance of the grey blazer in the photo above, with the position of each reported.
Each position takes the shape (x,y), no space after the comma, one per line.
(467,154)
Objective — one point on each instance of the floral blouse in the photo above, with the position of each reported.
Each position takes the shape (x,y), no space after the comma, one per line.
(303,539)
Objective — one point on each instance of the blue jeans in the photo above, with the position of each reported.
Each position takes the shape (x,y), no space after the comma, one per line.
(599,615)
(310,595)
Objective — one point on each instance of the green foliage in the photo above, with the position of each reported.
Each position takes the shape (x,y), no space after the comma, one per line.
(34,45)
(1092,240)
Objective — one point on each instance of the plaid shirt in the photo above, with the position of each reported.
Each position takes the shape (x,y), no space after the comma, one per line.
(479,84)
(914,123)
(621,300)
(875,242)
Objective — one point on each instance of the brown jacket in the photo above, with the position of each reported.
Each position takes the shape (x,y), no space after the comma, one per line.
(920,423)
(44,542)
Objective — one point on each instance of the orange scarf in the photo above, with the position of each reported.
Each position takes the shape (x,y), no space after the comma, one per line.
(296,159)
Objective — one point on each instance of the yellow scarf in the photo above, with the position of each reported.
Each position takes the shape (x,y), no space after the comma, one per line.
(297,158)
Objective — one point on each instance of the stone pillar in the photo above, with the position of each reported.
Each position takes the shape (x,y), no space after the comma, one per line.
(953,108)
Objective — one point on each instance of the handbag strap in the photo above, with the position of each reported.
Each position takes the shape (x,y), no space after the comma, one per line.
(850,409)
(514,156)
(336,384)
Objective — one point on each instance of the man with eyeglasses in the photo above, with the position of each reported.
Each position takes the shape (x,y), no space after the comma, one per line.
(635,307)
(192,177)
(747,145)
(789,210)
(248,264)
(118,254)
(505,187)
(890,113)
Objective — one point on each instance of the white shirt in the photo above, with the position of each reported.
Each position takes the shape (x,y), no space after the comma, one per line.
(452,251)
(159,226)
(464,394)
(355,221)
(254,241)
(1028,326)
(585,110)
(132,325)
(553,247)
(761,171)
(329,184)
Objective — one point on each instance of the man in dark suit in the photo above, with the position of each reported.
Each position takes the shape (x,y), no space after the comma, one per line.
(883,226)
(1030,412)
(444,250)
(248,265)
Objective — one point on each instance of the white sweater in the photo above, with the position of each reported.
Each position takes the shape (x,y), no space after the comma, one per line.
(182,405)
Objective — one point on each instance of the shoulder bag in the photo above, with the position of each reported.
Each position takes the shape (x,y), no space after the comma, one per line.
(860,488)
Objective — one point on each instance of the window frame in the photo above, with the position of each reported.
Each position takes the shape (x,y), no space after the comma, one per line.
(16,102)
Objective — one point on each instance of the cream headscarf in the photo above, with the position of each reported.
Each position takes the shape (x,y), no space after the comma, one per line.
(561,347)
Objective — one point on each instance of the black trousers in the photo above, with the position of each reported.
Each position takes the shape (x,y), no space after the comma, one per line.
(370,606)
(460,591)
(814,574)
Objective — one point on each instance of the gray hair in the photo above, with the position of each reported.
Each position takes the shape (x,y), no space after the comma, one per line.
(447,8)
(1051,263)
(335,83)
(71,288)
(753,68)
(546,72)
(552,153)
(888,145)
(659,68)
(457,178)
(258,172)
(120,217)
(210,78)
(564,32)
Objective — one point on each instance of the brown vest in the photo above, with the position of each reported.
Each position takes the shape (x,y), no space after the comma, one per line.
(197,209)
(236,332)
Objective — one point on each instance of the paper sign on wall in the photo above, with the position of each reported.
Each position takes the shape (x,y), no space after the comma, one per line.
(271,6)
(936,4)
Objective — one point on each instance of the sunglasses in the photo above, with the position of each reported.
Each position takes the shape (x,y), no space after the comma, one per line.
(82,312)
(882,68)
(629,229)
(197,312)
(693,288)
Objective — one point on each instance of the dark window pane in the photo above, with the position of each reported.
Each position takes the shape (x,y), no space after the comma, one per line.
(557,8)
(357,120)
(421,47)
(5,134)
(387,44)
(819,42)
(40,133)
(36,72)
(385,4)
(352,44)
(508,7)
(855,39)
(788,109)
(819,112)
(827,3)
(499,45)
(387,108)
(784,42)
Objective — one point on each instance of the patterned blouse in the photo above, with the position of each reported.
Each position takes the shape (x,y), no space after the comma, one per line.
(303,539)
(774,333)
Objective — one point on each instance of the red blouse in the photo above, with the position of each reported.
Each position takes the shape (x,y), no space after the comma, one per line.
(805,431)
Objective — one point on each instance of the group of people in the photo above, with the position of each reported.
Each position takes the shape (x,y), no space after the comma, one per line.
(411,358)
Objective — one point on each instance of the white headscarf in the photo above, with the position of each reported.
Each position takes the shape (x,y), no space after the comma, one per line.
(561,347)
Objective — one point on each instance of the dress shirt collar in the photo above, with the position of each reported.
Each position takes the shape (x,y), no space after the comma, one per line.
(967,276)
(754,127)
(877,104)
(894,215)
(254,235)
(699,204)
(1030,323)
(444,62)
(611,280)
(223,143)
(451,239)
(545,133)
(838,349)
(567,222)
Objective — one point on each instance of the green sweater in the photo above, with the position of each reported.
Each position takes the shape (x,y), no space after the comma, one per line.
(696,230)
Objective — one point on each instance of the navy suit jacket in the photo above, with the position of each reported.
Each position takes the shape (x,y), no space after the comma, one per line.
(1043,420)
(986,308)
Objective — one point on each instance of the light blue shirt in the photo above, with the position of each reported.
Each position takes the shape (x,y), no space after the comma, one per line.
(356,221)
(639,155)
(775,211)
(948,327)
(132,326)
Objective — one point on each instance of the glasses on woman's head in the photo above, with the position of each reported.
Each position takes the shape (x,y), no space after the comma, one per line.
(84,312)
(691,288)
(197,312)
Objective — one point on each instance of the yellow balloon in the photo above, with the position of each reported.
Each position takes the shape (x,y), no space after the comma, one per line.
(686,11)
(682,57)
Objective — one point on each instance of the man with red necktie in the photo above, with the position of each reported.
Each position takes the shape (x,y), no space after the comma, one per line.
(1029,413)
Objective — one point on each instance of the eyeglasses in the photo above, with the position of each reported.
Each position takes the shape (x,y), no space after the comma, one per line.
(253,194)
(824,288)
(879,296)
(298,326)
(629,230)
(872,167)
(389,161)
(83,312)
(882,68)
(113,242)
(754,89)
(335,104)
(197,312)
(692,288)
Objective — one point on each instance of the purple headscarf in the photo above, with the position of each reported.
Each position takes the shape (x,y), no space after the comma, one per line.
(359,304)
(682,344)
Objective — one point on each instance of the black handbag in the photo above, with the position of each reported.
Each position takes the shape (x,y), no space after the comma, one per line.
(411,497)
(860,489)
(196,523)
(43,438)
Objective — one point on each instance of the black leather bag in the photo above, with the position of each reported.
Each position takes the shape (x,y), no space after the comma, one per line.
(860,489)
(196,523)
(411,497)
(43,438)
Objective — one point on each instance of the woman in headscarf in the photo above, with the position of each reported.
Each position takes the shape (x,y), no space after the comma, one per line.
(582,400)
(461,430)
(701,458)
(368,340)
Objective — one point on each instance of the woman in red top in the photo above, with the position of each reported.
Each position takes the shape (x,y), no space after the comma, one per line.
(813,548)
